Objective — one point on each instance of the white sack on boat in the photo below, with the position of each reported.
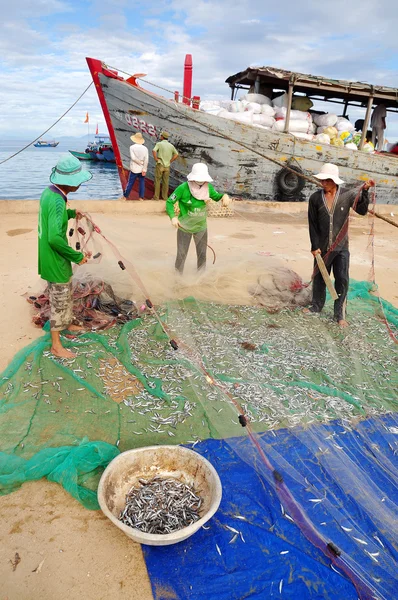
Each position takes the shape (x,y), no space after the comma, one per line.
(351,146)
(259,98)
(263,120)
(322,138)
(236,107)
(328,120)
(300,115)
(241,117)
(210,107)
(226,104)
(266,109)
(295,125)
(344,125)
(280,100)
(254,107)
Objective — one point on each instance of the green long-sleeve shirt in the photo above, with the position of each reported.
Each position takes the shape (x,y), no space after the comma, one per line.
(192,211)
(55,254)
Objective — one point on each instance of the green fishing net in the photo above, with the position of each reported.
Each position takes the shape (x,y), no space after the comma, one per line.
(67,419)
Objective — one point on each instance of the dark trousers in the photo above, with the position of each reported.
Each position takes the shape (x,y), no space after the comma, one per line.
(340,261)
(131,182)
(183,242)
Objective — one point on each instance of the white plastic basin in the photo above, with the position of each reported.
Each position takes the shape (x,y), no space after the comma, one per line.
(164,461)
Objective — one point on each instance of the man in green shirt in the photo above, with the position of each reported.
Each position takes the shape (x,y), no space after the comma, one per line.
(192,197)
(164,154)
(55,254)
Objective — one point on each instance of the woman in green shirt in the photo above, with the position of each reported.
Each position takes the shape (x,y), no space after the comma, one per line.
(55,254)
(192,197)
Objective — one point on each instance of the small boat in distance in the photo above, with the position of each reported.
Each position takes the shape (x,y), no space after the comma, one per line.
(44,144)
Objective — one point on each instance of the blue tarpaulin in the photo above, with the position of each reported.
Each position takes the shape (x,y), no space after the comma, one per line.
(270,557)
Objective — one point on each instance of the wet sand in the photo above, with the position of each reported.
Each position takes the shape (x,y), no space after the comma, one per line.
(84,556)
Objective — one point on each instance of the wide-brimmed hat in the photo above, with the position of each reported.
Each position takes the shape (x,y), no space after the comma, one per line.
(199,172)
(164,135)
(137,138)
(69,171)
(330,171)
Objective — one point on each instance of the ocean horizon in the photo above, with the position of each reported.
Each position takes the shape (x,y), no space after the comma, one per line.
(25,176)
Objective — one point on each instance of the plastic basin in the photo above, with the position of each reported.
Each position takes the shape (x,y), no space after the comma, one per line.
(165,461)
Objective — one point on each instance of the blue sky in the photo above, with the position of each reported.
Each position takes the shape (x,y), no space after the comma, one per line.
(43,45)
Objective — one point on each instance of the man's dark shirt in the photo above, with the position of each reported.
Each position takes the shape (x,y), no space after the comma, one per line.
(325,225)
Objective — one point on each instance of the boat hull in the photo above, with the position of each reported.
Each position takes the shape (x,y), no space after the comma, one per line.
(82,155)
(236,168)
(109,156)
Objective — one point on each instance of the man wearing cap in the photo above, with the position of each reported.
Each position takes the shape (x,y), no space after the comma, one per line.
(164,154)
(192,197)
(328,214)
(138,165)
(55,254)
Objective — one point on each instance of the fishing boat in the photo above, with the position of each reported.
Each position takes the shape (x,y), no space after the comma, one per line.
(82,155)
(101,149)
(108,154)
(246,161)
(44,144)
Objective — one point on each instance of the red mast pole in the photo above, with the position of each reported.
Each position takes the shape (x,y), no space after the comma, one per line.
(187,91)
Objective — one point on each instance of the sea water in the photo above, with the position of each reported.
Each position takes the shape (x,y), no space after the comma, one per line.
(25,176)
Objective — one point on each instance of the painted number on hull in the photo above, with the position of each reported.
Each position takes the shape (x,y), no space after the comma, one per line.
(141,124)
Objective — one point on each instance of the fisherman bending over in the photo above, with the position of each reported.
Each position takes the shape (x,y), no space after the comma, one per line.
(328,214)
(55,254)
(192,197)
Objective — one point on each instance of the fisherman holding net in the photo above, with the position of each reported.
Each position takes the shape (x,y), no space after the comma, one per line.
(192,197)
(328,216)
(55,254)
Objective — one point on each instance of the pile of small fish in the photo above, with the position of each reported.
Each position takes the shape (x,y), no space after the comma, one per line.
(161,505)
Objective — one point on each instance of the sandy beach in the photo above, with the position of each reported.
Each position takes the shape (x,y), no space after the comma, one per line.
(66,551)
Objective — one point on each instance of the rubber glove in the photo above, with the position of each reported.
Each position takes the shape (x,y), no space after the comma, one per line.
(225,200)
(175,222)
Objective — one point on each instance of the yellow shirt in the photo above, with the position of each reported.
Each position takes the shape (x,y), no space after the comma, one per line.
(165,152)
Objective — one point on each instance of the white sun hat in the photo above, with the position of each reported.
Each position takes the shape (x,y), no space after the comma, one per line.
(199,172)
(330,171)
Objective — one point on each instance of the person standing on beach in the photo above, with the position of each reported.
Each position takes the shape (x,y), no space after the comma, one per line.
(138,165)
(55,254)
(192,197)
(328,214)
(378,125)
(164,154)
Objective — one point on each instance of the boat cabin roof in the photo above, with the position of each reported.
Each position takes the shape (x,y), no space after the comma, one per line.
(314,86)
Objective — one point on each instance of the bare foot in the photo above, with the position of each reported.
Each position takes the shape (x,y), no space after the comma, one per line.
(62,352)
(141,199)
(306,311)
(75,328)
(343,323)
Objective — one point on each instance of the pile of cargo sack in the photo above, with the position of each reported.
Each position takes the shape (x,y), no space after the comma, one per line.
(260,111)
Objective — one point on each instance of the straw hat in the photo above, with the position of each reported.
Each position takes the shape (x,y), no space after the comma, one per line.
(330,171)
(199,172)
(137,138)
(164,135)
(69,171)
